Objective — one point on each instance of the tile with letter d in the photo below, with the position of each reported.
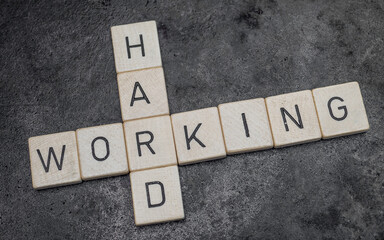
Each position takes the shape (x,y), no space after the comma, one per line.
(150,143)
(102,151)
(136,46)
(341,110)
(245,126)
(198,136)
(293,118)
(54,160)
(142,94)
(156,195)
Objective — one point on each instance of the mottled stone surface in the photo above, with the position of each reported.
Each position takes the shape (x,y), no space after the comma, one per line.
(57,74)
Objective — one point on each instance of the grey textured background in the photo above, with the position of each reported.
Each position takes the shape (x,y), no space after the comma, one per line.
(57,74)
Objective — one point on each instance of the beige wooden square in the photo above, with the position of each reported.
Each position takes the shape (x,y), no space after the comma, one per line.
(156,195)
(142,94)
(341,110)
(293,118)
(198,136)
(245,126)
(54,160)
(143,51)
(102,151)
(150,143)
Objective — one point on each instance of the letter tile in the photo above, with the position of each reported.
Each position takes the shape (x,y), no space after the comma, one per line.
(341,110)
(293,118)
(245,126)
(198,136)
(156,195)
(102,151)
(54,160)
(136,46)
(142,94)
(150,143)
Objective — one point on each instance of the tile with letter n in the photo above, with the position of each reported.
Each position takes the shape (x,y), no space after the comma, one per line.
(293,118)
(198,136)
(54,160)
(136,46)
(150,143)
(142,94)
(341,110)
(156,195)
(102,151)
(245,126)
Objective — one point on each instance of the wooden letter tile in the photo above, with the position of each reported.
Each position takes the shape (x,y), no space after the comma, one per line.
(293,118)
(341,110)
(142,94)
(102,151)
(54,160)
(136,46)
(156,195)
(245,126)
(198,136)
(150,143)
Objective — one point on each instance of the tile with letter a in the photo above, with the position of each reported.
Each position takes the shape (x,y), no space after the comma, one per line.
(142,94)
(341,110)
(136,46)
(293,118)
(54,160)
(245,126)
(150,143)
(156,195)
(198,136)
(102,151)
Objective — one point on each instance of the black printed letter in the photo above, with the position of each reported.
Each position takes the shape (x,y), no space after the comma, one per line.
(133,46)
(340,108)
(193,136)
(150,205)
(106,147)
(245,125)
(144,143)
(134,98)
(51,151)
(299,123)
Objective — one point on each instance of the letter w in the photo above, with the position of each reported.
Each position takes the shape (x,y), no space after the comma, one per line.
(52,152)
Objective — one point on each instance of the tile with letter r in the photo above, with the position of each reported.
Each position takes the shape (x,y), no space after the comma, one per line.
(102,151)
(54,160)
(150,143)
(198,136)
(293,118)
(245,126)
(142,94)
(341,110)
(136,46)
(156,195)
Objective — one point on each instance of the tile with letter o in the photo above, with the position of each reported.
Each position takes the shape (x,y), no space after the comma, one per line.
(136,46)
(150,143)
(54,160)
(245,126)
(293,118)
(341,110)
(198,136)
(142,94)
(102,151)
(156,195)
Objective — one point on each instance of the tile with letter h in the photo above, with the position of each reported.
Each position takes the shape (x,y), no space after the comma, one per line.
(341,110)
(136,46)
(156,195)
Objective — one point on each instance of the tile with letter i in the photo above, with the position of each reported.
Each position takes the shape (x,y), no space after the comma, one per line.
(341,110)
(54,160)
(136,46)
(156,195)
(293,118)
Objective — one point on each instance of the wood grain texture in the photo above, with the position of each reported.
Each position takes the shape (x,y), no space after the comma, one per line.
(102,151)
(205,123)
(150,143)
(150,82)
(156,195)
(290,133)
(340,110)
(245,126)
(139,58)
(45,170)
